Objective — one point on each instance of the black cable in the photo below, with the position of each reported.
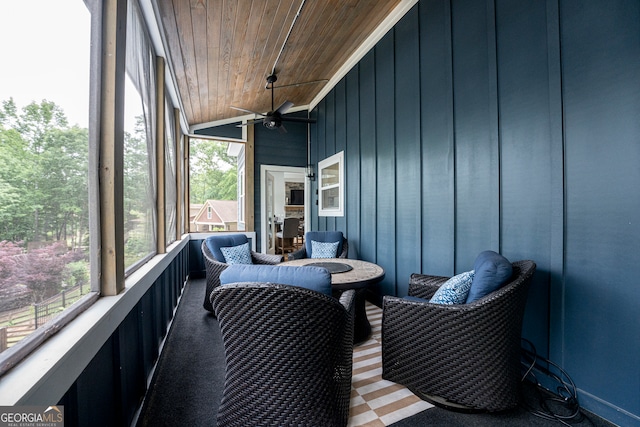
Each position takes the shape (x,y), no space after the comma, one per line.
(565,396)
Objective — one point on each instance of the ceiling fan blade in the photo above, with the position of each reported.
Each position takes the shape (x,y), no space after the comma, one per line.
(297,119)
(247,111)
(249,122)
(282,129)
(284,107)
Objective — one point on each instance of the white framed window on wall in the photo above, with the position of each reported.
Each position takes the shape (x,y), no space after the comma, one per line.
(331,185)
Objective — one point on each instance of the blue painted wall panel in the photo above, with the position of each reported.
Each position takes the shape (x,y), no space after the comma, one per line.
(223,131)
(386,172)
(340,222)
(352,163)
(601,93)
(110,389)
(407,152)
(528,143)
(150,338)
(319,153)
(132,381)
(329,222)
(368,164)
(476,152)
(436,109)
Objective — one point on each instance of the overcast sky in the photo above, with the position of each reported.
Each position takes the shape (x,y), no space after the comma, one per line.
(44,54)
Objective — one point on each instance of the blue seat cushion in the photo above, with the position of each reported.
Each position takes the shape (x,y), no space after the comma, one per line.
(322,236)
(455,290)
(214,243)
(492,271)
(315,278)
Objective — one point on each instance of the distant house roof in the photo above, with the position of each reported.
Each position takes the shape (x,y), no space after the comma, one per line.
(194,208)
(217,212)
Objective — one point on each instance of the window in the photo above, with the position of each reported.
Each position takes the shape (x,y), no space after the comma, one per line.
(170,173)
(331,186)
(44,147)
(139,145)
(213,185)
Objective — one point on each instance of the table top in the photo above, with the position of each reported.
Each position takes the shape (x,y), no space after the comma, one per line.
(363,273)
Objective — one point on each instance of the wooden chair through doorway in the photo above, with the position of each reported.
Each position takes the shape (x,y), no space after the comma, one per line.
(285,239)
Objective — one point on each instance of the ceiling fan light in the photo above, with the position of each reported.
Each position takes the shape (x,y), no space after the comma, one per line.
(271,123)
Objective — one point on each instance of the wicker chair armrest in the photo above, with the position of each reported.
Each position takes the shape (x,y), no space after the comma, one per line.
(207,253)
(345,248)
(213,268)
(269,259)
(424,286)
(299,254)
(347,299)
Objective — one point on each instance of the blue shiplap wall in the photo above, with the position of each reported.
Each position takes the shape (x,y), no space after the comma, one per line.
(512,126)
(601,99)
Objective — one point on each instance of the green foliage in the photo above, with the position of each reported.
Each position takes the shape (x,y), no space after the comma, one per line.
(43,181)
(77,273)
(139,202)
(214,174)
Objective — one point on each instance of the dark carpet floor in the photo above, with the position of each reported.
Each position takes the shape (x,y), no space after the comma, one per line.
(187,385)
(186,388)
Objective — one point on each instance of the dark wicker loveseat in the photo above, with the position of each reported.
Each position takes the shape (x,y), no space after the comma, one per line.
(464,356)
(214,267)
(288,355)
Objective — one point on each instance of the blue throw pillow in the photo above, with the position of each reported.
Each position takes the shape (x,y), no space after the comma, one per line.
(315,278)
(322,236)
(323,249)
(240,254)
(492,270)
(454,290)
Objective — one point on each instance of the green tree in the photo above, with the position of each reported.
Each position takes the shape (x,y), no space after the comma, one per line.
(138,200)
(37,120)
(16,173)
(8,114)
(214,174)
(43,181)
(63,185)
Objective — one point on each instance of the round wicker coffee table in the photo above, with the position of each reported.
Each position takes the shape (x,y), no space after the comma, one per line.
(360,275)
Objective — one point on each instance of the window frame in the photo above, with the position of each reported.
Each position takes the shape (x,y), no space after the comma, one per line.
(331,162)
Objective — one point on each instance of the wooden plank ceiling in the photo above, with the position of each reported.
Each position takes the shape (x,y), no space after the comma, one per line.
(221,51)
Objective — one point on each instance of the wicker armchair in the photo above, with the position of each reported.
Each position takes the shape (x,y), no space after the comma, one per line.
(323,236)
(288,355)
(464,357)
(214,267)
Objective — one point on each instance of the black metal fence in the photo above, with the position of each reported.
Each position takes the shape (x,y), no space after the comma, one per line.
(50,308)
(19,323)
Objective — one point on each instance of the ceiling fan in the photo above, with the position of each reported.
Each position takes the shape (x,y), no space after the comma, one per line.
(274,118)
